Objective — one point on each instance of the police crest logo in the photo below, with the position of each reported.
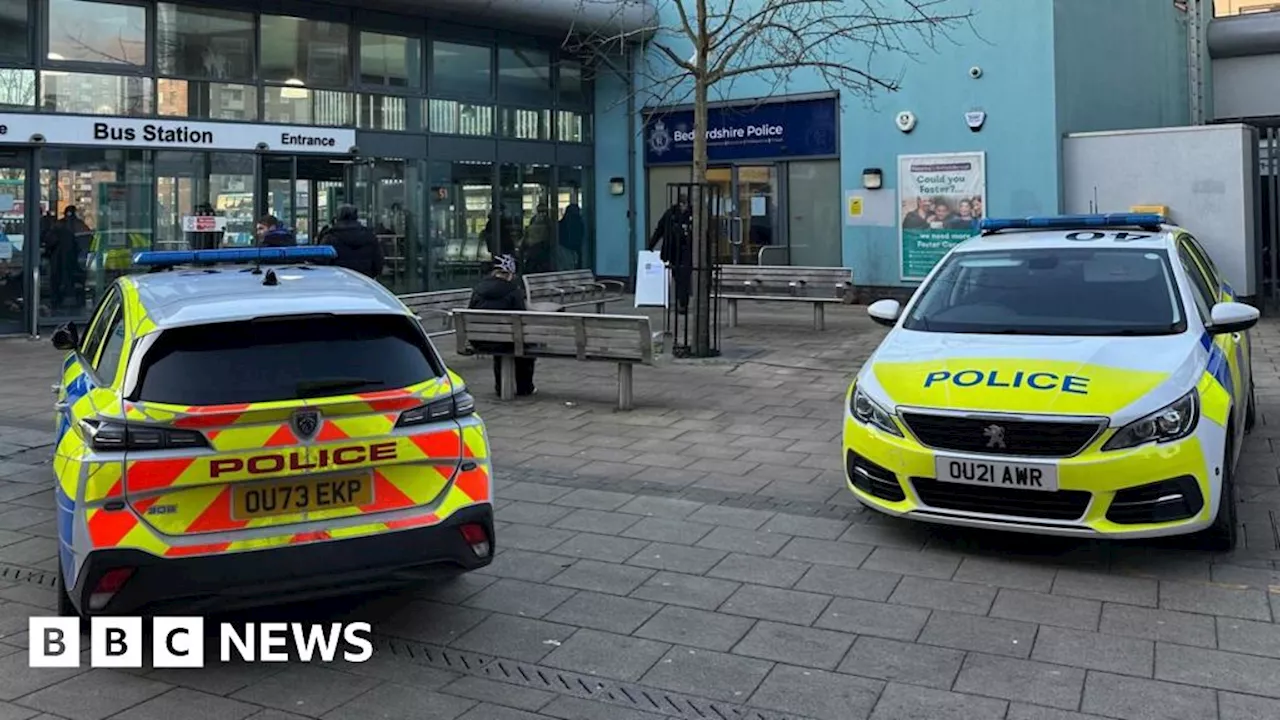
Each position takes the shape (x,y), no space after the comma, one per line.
(659,138)
(305,423)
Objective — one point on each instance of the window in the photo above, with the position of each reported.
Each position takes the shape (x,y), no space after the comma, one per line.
(387,112)
(212,100)
(87,94)
(1052,291)
(524,76)
(305,52)
(1197,251)
(465,70)
(526,124)
(92,341)
(455,118)
(202,43)
(15,41)
(307,107)
(97,32)
(390,60)
(572,89)
(1206,296)
(573,126)
(285,358)
(17,89)
(112,350)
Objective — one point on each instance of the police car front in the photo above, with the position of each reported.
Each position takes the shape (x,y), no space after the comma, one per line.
(1086,375)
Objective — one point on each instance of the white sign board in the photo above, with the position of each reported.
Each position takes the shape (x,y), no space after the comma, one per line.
(203,223)
(651,280)
(163,134)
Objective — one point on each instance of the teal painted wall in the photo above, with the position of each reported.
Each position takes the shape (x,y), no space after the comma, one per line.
(1021,90)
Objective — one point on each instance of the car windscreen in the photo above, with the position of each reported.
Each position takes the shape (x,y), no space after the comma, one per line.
(1052,291)
(284,358)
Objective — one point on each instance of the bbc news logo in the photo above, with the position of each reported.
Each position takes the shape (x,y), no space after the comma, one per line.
(179,642)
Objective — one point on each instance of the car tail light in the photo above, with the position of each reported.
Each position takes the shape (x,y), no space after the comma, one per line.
(113,436)
(108,585)
(457,405)
(477,538)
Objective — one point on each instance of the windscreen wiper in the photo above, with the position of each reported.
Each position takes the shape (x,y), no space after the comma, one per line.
(312,388)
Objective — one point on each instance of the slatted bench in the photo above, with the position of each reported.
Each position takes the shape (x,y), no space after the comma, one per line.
(435,309)
(623,339)
(571,288)
(785,283)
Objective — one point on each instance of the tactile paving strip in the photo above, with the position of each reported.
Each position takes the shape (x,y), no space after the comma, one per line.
(587,687)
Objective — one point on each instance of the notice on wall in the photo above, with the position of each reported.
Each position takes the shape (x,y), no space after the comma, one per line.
(203,223)
(940,199)
(870,208)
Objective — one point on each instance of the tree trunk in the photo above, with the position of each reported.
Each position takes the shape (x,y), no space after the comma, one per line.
(702,254)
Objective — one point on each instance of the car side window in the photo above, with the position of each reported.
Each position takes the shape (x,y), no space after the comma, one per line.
(92,344)
(1206,262)
(112,349)
(1206,296)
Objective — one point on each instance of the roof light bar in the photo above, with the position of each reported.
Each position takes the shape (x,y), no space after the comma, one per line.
(1072,222)
(235,255)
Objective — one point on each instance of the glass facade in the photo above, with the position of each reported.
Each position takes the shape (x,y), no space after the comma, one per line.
(441,208)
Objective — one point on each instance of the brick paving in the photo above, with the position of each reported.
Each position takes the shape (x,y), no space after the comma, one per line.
(699,557)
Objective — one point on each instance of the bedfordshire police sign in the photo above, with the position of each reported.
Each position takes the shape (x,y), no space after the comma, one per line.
(169,134)
(784,129)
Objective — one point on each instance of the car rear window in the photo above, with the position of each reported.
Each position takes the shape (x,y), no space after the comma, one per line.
(284,358)
(1052,291)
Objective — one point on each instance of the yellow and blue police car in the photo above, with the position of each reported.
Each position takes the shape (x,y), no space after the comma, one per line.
(242,427)
(1081,376)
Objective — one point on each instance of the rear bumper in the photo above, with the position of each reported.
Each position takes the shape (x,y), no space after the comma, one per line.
(291,573)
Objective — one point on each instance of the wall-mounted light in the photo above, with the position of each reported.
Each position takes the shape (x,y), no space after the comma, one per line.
(617,186)
(872,179)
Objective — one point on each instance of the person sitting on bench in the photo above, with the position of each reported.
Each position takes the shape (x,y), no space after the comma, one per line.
(500,291)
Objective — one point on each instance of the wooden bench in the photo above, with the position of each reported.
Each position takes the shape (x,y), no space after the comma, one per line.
(571,288)
(817,285)
(436,308)
(623,339)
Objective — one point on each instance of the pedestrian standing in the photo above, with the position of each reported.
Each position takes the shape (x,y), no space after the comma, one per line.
(356,245)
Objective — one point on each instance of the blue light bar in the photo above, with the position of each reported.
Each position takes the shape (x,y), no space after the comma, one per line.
(1072,222)
(229,256)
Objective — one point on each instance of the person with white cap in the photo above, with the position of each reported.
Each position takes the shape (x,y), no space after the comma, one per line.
(500,291)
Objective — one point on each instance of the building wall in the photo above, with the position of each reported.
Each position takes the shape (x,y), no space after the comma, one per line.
(1119,66)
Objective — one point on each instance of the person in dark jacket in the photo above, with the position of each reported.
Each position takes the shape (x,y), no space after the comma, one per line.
(67,244)
(357,247)
(675,233)
(500,291)
(273,234)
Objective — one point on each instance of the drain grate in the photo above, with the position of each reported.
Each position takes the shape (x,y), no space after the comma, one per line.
(13,573)
(586,687)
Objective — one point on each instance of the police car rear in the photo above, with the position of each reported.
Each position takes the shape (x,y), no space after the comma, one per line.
(280,433)
(1075,376)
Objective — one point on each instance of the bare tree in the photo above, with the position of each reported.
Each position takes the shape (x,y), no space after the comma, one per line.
(706,46)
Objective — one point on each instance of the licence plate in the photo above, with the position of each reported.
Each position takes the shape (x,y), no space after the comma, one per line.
(291,496)
(993,473)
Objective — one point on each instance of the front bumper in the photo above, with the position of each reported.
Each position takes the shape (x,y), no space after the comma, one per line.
(1120,494)
(288,573)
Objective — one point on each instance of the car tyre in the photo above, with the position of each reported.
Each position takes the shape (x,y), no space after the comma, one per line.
(65,607)
(1223,534)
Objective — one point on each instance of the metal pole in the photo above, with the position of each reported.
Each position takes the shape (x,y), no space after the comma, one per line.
(32,247)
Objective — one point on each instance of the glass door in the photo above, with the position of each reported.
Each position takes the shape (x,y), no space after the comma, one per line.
(747,213)
(304,192)
(15,255)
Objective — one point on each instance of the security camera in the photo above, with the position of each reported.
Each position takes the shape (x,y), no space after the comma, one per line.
(906,121)
(37,139)
(975,72)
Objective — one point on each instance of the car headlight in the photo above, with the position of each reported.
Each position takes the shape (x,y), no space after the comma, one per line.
(866,411)
(1172,422)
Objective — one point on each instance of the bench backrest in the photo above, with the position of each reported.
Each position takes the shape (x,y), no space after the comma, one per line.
(826,281)
(542,286)
(621,338)
(438,300)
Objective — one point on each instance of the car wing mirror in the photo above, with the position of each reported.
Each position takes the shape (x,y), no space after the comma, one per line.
(1232,317)
(885,312)
(66,337)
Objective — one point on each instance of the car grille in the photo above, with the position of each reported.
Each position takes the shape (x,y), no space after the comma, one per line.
(1060,505)
(1034,438)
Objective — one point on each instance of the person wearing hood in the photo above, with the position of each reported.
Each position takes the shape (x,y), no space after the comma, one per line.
(356,245)
(500,291)
(272,234)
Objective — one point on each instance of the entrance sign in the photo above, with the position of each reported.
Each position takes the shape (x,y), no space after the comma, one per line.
(784,129)
(941,198)
(164,134)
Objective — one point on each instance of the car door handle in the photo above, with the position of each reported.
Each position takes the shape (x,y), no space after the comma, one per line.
(55,389)
(60,405)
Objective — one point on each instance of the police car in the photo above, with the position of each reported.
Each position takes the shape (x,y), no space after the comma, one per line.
(240,427)
(1082,376)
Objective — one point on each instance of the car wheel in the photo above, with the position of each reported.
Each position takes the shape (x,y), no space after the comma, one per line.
(1222,535)
(1251,410)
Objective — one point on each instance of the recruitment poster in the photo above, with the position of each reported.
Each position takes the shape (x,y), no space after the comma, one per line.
(940,199)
